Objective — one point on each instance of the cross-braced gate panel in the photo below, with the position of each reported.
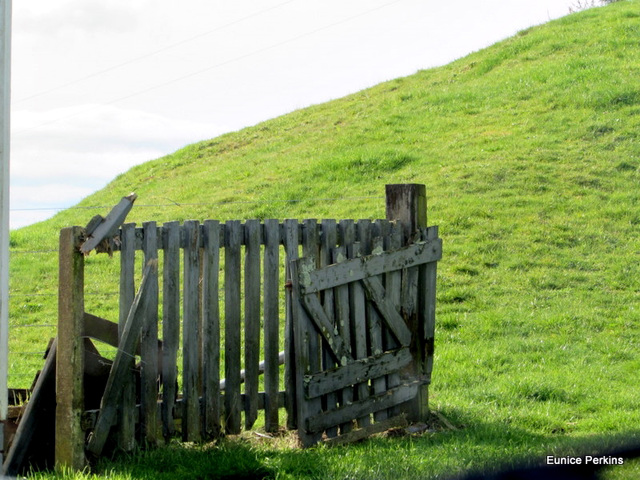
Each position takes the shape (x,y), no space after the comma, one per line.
(368,362)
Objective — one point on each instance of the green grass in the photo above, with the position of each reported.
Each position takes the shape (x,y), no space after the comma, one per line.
(531,156)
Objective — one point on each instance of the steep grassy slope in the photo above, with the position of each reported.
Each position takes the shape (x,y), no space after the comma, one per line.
(531,156)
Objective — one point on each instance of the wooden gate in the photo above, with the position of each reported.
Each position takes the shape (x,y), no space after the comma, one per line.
(372,317)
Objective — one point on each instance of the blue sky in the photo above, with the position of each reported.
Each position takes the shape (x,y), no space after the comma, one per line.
(98,87)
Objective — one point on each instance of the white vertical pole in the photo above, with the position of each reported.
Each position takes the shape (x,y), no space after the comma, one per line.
(5,82)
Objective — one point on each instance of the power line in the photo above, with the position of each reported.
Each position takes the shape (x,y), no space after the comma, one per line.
(212,67)
(155,52)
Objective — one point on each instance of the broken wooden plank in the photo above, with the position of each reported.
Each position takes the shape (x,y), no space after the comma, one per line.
(129,341)
(35,409)
(356,372)
(109,225)
(372,265)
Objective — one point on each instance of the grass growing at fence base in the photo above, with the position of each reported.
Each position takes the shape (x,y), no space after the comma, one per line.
(529,150)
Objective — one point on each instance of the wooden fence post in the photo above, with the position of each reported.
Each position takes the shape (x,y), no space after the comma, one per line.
(69,445)
(407,204)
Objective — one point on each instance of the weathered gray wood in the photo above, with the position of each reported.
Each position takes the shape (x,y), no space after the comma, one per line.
(290,237)
(359,268)
(101,329)
(428,274)
(129,341)
(359,328)
(191,423)
(361,408)
(303,331)
(393,320)
(149,343)
(310,250)
(69,449)
(359,371)
(271,322)
(399,421)
(211,330)
(170,323)
(375,338)
(232,297)
(110,224)
(341,352)
(407,204)
(328,242)
(32,415)
(343,313)
(126,423)
(392,285)
(251,319)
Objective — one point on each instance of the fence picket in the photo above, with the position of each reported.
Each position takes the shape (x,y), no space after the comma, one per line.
(149,342)
(190,327)
(211,329)
(232,398)
(271,322)
(127,422)
(170,323)
(290,236)
(251,319)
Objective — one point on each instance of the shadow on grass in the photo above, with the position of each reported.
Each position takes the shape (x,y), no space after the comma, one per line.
(441,452)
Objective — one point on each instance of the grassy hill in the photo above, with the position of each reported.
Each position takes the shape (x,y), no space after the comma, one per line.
(530,151)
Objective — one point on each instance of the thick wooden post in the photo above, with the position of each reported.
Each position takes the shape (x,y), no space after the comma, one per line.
(407,205)
(69,449)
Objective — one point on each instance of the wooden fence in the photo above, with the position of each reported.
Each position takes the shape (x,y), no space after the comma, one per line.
(247,268)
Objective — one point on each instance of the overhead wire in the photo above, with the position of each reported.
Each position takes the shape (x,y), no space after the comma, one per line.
(153,53)
(211,67)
